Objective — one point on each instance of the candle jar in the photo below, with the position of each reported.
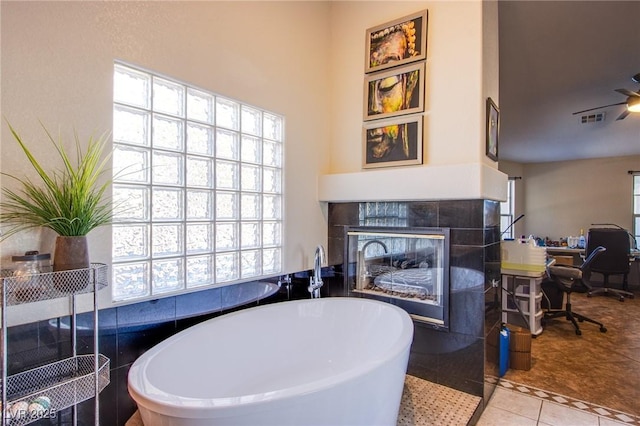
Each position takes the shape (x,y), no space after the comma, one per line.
(29,281)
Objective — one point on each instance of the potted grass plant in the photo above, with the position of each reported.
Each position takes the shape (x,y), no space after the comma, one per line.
(70,200)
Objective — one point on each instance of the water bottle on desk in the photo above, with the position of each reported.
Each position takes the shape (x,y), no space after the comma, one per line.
(582,241)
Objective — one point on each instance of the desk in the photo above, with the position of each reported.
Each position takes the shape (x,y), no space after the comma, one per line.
(578,259)
(633,253)
(576,253)
(564,250)
(522,294)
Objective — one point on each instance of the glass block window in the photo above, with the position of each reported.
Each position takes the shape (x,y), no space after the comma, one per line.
(197,185)
(382,214)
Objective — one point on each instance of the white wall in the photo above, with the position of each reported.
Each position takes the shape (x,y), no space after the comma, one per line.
(304,60)
(462,71)
(560,198)
(454,98)
(57,66)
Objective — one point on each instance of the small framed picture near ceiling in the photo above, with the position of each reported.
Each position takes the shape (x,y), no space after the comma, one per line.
(493,129)
(394,92)
(392,142)
(396,42)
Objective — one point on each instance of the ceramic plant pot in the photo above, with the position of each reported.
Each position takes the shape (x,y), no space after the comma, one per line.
(71,255)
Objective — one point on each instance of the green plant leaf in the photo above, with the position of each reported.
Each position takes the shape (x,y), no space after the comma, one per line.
(70,201)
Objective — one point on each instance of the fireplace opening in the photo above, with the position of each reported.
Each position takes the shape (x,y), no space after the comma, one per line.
(408,267)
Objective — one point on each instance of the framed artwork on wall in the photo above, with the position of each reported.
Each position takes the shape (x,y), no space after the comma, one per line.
(398,91)
(397,42)
(493,129)
(392,142)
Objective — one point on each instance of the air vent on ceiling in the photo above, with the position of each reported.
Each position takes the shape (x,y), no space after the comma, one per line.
(592,118)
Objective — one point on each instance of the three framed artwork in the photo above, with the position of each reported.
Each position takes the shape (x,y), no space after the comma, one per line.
(394,94)
(394,87)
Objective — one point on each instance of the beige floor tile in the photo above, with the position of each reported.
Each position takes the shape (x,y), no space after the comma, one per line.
(608,422)
(516,402)
(493,416)
(560,415)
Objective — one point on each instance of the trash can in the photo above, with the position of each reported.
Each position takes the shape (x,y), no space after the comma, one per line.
(519,348)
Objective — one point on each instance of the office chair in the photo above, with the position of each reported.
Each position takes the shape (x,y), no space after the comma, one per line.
(615,261)
(568,279)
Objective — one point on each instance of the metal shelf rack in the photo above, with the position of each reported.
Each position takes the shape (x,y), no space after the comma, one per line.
(66,382)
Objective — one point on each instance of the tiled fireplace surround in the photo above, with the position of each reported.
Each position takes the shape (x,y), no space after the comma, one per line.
(457,358)
(460,358)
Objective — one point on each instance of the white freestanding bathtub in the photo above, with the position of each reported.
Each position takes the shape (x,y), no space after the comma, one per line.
(331,361)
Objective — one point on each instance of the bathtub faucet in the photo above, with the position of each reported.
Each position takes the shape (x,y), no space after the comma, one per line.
(315,282)
(368,243)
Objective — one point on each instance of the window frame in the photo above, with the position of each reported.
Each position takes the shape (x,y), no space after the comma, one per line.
(507,210)
(266,196)
(635,206)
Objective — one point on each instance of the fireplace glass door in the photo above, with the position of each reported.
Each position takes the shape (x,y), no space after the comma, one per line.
(408,267)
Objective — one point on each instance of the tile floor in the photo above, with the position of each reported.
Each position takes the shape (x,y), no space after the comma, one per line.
(427,403)
(512,404)
(601,368)
(511,407)
(590,379)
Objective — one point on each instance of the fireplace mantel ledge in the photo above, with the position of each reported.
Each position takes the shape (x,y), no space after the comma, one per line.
(446,182)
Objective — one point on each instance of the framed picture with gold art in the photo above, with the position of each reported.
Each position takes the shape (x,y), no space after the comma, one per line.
(392,142)
(397,42)
(394,92)
(493,129)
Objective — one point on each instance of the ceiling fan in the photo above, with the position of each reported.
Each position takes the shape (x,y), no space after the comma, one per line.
(632,102)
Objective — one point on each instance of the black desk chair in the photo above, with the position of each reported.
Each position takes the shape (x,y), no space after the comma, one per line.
(615,261)
(568,279)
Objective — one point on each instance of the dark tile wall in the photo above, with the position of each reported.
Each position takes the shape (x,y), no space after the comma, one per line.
(460,358)
(463,357)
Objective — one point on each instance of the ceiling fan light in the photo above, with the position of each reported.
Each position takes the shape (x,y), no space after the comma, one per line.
(633,106)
